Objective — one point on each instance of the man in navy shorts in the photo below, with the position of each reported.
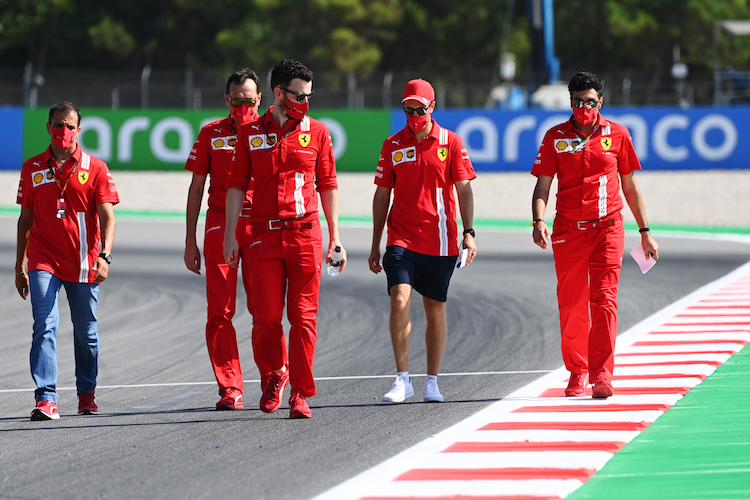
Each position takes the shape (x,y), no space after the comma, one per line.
(421,164)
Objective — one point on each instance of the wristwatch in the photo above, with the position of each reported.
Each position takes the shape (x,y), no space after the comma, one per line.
(471,232)
(107,257)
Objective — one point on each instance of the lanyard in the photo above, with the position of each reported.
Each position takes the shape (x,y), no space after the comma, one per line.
(583,142)
(53,172)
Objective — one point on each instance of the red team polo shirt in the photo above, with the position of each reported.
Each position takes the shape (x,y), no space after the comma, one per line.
(423,215)
(67,247)
(588,184)
(212,153)
(287,167)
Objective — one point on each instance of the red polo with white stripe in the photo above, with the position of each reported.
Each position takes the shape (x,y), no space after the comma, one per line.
(422,175)
(65,247)
(588,182)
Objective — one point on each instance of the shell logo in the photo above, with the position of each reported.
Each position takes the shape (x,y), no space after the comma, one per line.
(398,157)
(256,142)
(562,145)
(219,143)
(38,178)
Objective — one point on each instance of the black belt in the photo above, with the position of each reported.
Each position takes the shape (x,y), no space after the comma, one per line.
(275,224)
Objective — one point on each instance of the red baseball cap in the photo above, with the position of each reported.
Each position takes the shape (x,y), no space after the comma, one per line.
(419,90)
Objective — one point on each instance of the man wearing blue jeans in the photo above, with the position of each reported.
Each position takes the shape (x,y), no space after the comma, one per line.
(65,230)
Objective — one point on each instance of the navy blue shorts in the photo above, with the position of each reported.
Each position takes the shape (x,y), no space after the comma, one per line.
(428,274)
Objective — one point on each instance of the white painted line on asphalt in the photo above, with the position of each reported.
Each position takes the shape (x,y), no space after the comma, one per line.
(317,379)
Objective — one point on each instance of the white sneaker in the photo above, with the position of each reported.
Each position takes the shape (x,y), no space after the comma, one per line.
(400,390)
(431,392)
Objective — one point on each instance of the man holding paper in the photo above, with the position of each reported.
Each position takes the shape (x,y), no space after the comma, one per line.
(421,164)
(591,156)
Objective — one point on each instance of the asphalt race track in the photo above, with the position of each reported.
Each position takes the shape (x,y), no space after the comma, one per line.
(158,434)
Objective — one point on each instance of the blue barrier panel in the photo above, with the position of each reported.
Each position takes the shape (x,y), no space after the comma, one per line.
(700,138)
(11,130)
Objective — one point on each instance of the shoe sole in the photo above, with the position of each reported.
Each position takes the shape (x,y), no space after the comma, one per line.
(39,415)
(434,399)
(299,414)
(229,407)
(278,405)
(88,412)
(571,394)
(406,396)
(602,392)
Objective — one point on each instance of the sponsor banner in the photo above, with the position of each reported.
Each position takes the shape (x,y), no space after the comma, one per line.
(664,138)
(133,139)
(11,131)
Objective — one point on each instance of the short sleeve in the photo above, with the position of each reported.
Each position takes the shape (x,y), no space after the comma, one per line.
(325,168)
(199,160)
(384,175)
(546,159)
(461,168)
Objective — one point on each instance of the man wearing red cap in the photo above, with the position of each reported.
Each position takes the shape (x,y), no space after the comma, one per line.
(290,157)
(421,164)
(590,156)
(212,155)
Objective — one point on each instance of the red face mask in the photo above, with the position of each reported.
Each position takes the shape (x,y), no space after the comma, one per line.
(63,137)
(296,110)
(244,114)
(585,116)
(417,123)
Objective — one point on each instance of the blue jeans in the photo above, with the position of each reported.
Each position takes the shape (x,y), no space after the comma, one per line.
(83,299)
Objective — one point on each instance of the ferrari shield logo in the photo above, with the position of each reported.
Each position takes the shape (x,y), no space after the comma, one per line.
(442,153)
(83,177)
(304,140)
(606,143)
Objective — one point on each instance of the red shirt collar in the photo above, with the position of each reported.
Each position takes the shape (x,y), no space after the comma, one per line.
(76,156)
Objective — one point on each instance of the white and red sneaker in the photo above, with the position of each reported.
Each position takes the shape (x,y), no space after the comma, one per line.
(45,410)
(231,399)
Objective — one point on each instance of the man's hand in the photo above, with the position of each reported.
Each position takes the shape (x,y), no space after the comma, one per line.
(471,246)
(22,285)
(231,250)
(542,234)
(193,258)
(649,245)
(102,270)
(331,249)
(374,261)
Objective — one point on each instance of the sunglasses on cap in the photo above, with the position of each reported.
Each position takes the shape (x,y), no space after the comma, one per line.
(236,103)
(298,95)
(419,111)
(589,104)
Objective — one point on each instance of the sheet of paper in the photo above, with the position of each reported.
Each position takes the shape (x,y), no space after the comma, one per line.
(640,259)
(462,261)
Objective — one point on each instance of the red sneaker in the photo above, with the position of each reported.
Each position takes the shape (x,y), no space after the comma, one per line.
(576,385)
(45,410)
(298,406)
(271,399)
(87,404)
(602,388)
(231,399)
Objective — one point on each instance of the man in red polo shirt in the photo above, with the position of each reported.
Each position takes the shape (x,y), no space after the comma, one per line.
(290,157)
(67,198)
(590,156)
(421,164)
(212,155)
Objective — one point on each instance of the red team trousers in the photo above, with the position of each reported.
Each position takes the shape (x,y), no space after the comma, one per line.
(221,292)
(286,261)
(588,263)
